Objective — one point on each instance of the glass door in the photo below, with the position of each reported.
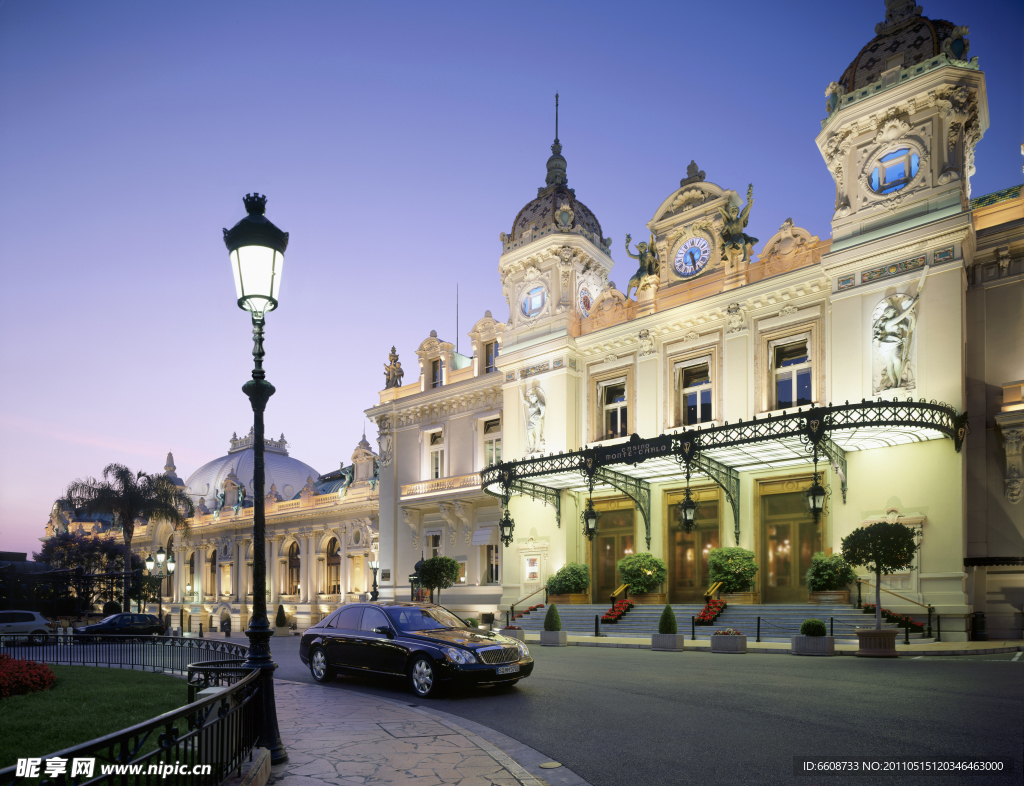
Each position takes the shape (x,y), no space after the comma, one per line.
(789,538)
(688,552)
(614,540)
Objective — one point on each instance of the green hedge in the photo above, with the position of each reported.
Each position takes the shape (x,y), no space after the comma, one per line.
(571,577)
(734,567)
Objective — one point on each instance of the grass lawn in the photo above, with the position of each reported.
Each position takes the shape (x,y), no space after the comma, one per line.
(85,703)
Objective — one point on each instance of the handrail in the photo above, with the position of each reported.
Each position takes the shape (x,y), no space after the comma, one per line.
(510,615)
(908,600)
(623,589)
(712,590)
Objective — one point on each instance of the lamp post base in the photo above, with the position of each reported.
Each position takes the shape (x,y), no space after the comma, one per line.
(259,658)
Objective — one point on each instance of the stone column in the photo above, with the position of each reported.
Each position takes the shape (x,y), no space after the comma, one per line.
(309,569)
(178,571)
(271,547)
(238,574)
(197,585)
(218,578)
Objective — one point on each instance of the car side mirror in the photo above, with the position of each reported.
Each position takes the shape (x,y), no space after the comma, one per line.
(385,631)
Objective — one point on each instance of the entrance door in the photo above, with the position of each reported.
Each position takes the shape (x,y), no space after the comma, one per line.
(789,538)
(688,553)
(614,540)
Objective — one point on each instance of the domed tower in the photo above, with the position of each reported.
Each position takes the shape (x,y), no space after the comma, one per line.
(902,122)
(555,260)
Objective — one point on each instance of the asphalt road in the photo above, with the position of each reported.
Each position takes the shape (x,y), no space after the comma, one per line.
(624,716)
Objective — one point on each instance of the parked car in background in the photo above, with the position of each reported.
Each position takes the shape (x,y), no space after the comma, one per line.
(31,623)
(425,643)
(124,625)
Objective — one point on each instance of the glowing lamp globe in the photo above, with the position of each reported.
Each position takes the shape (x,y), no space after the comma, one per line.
(256,248)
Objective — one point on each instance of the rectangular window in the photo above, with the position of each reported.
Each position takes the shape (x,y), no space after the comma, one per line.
(490,357)
(791,368)
(462,573)
(435,374)
(432,543)
(694,393)
(493,565)
(436,455)
(492,442)
(616,414)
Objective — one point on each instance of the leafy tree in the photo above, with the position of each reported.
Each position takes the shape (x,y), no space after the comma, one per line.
(571,577)
(733,566)
(438,573)
(882,548)
(94,554)
(667,622)
(643,572)
(130,496)
(551,620)
(829,573)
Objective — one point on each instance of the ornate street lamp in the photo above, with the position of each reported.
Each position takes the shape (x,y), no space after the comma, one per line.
(688,511)
(256,249)
(589,518)
(374,566)
(159,562)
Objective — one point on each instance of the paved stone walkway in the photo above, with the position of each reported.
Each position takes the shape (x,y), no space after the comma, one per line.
(335,736)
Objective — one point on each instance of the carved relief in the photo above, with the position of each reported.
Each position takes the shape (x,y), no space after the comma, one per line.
(789,249)
(646,343)
(734,318)
(448,514)
(894,341)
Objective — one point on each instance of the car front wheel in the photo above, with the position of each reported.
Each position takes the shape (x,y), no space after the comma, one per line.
(318,666)
(423,677)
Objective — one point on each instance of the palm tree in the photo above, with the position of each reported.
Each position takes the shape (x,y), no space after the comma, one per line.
(129,496)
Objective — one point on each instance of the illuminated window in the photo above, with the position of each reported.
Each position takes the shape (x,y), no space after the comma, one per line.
(492,441)
(615,408)
(432,542)
(493,565)
(894,170)
(791,367)
(533,302)
(437,455)
(490,357)
(435,374)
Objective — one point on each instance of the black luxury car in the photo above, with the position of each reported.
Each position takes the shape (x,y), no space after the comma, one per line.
(423,642)
(124,625)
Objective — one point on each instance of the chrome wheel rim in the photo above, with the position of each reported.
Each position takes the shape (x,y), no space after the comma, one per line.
(319,665)
(422,677)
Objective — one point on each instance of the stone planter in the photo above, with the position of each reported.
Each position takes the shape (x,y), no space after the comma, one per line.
(832,597)
(668,642)
(877,643)
(553,638)
(514,634)
(729,644)
(570,599)
(650,598)
(282,631)
(742,598)
(813,645)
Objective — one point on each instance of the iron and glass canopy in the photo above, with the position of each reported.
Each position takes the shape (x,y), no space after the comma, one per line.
(722,452)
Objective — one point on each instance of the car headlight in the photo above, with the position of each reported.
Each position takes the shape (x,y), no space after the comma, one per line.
(457,656)
(522,649)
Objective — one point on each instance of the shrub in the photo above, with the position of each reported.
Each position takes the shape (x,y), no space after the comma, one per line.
(733,566)
(472,623)
(111,607)
(438,573)
(813,627)
(551,620)
(571,577)
(280,620)
(727,632)
(643,572)
(667,622)
(23,676)
(828,574)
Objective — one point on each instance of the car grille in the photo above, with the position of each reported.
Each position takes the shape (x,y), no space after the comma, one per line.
(499,654)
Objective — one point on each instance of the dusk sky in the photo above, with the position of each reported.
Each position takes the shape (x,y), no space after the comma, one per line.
(394,141)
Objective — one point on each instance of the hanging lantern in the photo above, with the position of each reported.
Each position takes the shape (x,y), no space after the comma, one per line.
(590,517)
(507,526)
(816,498)
(688,513)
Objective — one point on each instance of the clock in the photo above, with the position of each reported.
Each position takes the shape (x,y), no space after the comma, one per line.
(692,257)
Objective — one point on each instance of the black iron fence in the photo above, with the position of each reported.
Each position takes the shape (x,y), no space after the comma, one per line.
(200,744)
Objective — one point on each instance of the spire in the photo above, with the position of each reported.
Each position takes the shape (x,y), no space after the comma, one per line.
(169,466)
(897,12)
(556,164)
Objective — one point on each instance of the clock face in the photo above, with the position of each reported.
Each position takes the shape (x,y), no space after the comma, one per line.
(692,257)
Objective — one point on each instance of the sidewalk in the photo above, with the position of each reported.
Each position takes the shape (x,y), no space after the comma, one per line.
(338,736)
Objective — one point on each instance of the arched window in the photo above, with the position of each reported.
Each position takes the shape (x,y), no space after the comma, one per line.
(894,170)
(533,301)
(333,568)
(294,563)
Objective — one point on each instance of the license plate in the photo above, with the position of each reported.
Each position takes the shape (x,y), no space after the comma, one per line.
(508,669)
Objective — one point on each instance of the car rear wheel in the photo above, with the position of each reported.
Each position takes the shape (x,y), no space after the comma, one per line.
(318,666)
(423,677)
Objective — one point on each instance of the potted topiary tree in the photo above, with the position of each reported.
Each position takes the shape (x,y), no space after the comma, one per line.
(882,548)
(736,569)
(813,639)
(644,573)
(553,635)
(281,623)
(828,577)
(438,573)
(570,584)
(668,639)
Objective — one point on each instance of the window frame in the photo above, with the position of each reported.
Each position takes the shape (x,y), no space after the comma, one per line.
(491,356)
(679,369)
(595,401)
(791,371)
(493,438)
(436,373)
(768,340)
(439,532)
(435,454)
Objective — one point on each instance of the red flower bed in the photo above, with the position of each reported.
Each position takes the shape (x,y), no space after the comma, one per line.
(710,612)
(614,614)
(900,619)
(23,676)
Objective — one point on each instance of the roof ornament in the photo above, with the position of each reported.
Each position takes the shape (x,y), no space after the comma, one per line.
(693,174)
(556,164)
(897,12)
(169,466)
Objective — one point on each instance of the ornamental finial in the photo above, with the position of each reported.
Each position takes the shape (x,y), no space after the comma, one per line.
(255,204)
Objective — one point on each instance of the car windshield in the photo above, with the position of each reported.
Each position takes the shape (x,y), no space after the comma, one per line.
(416,618)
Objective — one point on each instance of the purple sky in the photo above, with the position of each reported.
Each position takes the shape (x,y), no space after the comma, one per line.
(394,141)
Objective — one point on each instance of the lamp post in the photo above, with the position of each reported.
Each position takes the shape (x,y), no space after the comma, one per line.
(256,248)
(160,556)
(374,565)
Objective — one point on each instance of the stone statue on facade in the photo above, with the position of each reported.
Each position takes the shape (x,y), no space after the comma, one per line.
(220,495)
(393,371)
(648,258)
(533,412)
(736,243)
(892,333)
(240,500)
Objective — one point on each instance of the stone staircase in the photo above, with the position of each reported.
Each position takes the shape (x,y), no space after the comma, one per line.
(778,621)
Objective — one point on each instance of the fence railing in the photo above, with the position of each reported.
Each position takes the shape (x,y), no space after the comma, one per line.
(202,743)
